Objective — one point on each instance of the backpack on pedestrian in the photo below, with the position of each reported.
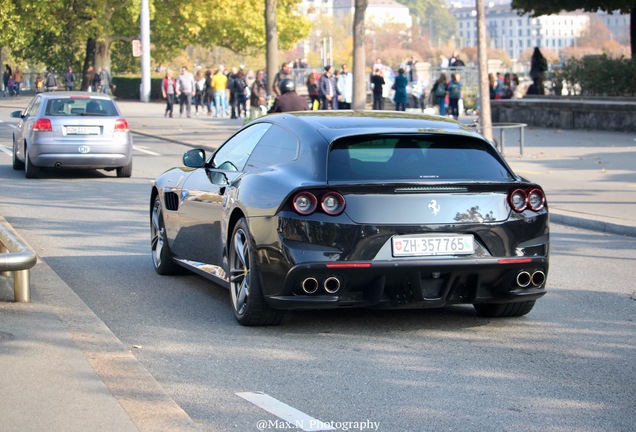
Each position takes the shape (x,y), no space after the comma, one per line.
(440,90)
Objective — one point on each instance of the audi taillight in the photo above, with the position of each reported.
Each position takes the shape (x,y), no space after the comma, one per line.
(520,199)
(42,125)
(121,125)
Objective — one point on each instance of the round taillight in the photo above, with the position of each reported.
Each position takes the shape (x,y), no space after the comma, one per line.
(332,203)
(536,199)
(121,125)
(42,125)
(518,200)
(305,203)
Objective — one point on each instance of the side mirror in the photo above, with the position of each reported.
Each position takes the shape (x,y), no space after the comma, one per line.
(194,158)
(219,178)
(16,114)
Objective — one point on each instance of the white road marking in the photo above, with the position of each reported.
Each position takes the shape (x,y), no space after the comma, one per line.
(7,150)
(283,411)
(143,150)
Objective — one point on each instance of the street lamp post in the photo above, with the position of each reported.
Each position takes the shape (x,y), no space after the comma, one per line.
(145,51)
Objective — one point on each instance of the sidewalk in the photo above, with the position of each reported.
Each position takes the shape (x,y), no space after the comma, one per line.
(62,369)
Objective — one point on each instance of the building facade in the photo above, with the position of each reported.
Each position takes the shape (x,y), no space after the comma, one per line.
(507,30)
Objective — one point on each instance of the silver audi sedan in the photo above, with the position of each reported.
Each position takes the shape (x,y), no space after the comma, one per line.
(72,130)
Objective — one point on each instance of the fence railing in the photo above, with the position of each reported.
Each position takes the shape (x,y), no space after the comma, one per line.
(16,259)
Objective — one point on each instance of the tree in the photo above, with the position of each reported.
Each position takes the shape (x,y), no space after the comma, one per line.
(547,7)
(359,58)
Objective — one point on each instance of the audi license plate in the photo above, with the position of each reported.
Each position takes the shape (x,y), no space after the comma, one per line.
(81,130)
(426,245)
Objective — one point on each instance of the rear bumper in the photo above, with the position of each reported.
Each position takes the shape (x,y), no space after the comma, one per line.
(410,284)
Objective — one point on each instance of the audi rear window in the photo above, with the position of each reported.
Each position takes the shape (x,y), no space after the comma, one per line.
(80,107)
(414,158)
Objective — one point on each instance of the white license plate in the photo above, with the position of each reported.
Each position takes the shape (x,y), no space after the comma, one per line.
(427,245)
(82,130)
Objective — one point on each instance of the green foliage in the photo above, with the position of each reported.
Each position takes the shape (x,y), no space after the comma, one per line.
(599,76)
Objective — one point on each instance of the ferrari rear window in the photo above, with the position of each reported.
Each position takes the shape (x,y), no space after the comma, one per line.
(414,158)
(80,107)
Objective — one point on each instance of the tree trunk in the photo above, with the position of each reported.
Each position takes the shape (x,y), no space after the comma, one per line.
(271,42)
(89,64)
(102,54)
(359,56)
(485,119)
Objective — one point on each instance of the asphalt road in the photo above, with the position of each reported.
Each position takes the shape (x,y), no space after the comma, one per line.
(568,365)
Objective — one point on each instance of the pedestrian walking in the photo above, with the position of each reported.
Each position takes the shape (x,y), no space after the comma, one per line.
(538,68)
(50,83)
(345,88)
(209,92)
(240,89)
(18,77)
(69,79)
(185,90)
(169,91)
(5,79)
(439,91)
(258,97)
(377,87)
(312,90)
(104,80)
(285,72)
(219,84)
(400,97)
(199,92)
(454,94)
(328,90)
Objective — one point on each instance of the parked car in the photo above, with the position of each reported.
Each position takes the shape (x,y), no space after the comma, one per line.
(72,130)
(322,209)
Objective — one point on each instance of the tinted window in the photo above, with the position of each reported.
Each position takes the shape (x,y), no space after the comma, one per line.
(233,155)
(277,146)
(416,158)
(80,106)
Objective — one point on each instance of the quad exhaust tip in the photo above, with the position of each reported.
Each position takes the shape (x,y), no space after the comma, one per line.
(331,285)
(524,279)
(310,285)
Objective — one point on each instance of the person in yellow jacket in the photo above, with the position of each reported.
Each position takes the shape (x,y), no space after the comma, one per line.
(219,84)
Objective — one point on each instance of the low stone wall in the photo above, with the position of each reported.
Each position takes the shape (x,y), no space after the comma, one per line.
(616,114)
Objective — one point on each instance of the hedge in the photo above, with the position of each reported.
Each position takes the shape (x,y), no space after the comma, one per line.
(600,76)
(130,88)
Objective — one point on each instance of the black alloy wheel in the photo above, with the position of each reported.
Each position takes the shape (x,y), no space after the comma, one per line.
(161,254)
(248,303)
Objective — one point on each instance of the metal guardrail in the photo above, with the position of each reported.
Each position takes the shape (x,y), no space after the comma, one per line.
(16,259)
(502,138)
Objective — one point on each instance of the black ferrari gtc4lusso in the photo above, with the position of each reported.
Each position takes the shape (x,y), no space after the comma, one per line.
(318,210)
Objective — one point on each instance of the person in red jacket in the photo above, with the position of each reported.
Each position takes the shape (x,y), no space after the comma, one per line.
(169,91)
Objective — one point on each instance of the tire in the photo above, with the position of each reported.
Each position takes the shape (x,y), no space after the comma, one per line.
(30,170)
(18,165)
(503,310)
(248,303)
(125,171)
(160,250)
